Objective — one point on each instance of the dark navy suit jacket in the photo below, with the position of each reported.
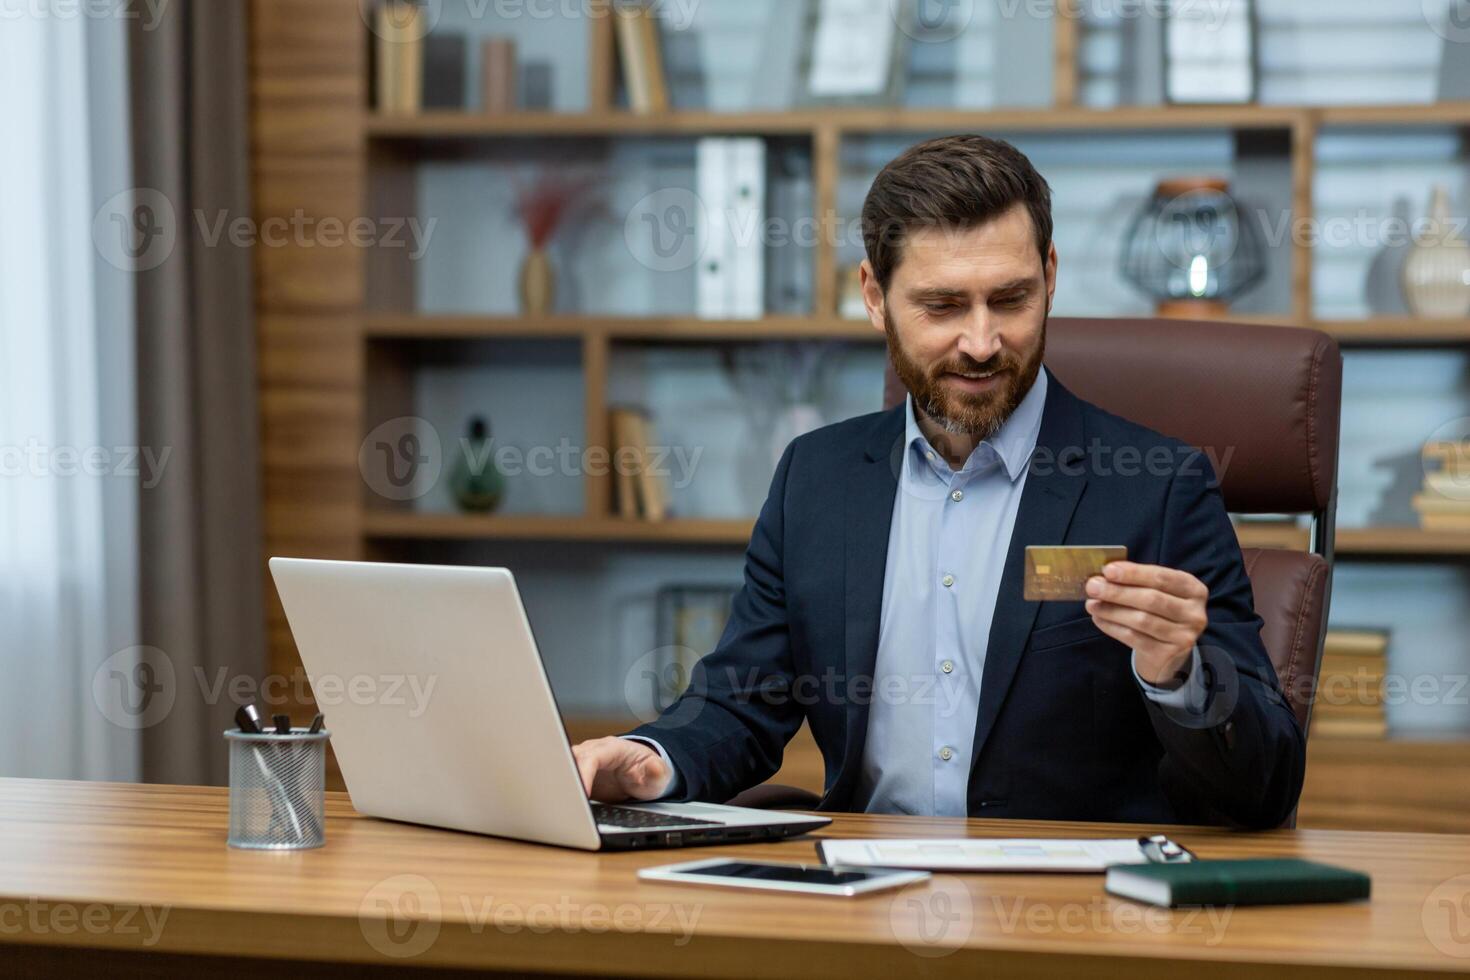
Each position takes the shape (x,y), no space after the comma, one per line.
(1064,731)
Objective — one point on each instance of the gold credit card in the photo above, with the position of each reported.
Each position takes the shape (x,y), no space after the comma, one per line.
(1055,574)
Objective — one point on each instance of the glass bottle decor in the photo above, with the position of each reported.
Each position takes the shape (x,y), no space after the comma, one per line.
(478,486)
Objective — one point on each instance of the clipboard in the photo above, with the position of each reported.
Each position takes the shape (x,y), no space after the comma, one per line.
(1013,854)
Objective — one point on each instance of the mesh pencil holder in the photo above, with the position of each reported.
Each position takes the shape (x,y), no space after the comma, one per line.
(278,789)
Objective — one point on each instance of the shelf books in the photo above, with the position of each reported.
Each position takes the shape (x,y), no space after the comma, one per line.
(731,176)
(1349,702)
(415,70)
(643,65)
(640,490)
(1444,504)
(400,29)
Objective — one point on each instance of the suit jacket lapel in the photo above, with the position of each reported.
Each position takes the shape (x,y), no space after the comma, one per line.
(868,513)
(1054,484)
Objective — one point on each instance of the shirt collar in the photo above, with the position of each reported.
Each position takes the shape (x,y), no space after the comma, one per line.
(1014,443)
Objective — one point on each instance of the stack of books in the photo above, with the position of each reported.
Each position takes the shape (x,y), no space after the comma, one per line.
(1444,504)
(638,468)
(643,63)
(1349,700)
(415,69)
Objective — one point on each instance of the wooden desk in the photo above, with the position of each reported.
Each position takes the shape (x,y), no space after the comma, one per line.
(111,877)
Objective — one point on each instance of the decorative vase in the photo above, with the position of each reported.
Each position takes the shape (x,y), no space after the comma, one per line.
(537,283)
(1436,273)
(478,486)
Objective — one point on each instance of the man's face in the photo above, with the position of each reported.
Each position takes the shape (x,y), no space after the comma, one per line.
(965,317)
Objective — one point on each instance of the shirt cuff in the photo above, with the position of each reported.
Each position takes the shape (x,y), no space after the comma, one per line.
(675,784)
(1190,696)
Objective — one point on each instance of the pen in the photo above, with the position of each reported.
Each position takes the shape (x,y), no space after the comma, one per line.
(248,718)
(316,725)
(283,724)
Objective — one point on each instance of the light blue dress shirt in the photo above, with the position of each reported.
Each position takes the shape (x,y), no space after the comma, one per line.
(947,545)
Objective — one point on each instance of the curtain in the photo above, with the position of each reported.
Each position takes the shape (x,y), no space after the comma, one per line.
(201,568)
(69,450)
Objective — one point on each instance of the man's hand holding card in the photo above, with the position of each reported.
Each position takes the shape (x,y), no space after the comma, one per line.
(1157,612)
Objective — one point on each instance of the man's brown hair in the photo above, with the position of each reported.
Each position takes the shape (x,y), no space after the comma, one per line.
(952,182)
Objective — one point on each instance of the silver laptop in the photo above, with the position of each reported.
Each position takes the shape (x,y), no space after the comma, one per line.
(441,713)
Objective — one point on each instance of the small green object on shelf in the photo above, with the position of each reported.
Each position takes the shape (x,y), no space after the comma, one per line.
(477,484)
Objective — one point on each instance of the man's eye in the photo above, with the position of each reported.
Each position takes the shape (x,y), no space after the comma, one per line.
(940,309)
(1012,301)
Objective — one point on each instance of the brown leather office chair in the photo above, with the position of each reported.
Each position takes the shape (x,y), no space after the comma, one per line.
(1268,400)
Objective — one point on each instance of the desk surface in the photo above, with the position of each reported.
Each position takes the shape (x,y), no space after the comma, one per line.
(146,868)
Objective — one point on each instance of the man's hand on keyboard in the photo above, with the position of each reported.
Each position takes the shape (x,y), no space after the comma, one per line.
(617,769)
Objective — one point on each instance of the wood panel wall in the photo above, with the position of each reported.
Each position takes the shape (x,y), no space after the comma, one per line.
(307,97)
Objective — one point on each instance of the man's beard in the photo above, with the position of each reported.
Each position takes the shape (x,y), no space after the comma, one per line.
(979,416)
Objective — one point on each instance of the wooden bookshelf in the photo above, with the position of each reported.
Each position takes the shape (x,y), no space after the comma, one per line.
(1403,331)
(460,125)
(673,329)
(1379,332)
(1382,542)
(409,525)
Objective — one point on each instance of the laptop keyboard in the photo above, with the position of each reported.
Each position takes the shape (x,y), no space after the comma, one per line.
(624,816)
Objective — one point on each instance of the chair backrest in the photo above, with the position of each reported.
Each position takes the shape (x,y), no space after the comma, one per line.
(1264,403)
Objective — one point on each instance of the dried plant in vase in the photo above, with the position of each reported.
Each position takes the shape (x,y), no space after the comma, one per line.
(542,205)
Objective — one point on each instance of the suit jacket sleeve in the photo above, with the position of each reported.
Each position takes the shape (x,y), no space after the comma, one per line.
(1241,761)
(728,730)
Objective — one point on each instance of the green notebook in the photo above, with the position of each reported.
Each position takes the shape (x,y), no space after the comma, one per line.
(1260,881)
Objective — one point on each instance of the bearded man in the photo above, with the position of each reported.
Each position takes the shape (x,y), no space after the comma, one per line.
(883,603)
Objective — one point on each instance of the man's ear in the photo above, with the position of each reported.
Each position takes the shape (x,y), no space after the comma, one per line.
(1051,274)
(873,299)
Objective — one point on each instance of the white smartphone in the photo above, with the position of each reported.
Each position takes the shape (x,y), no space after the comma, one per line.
(811,879)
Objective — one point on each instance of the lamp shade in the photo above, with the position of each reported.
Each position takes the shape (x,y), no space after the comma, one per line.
(1190,248)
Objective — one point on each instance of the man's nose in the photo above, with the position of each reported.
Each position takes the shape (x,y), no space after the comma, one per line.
(979,339)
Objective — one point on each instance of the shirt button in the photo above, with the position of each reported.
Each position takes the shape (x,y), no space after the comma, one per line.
(948,580)
(957,496)
(947,666)
(929,456)
(946,753)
